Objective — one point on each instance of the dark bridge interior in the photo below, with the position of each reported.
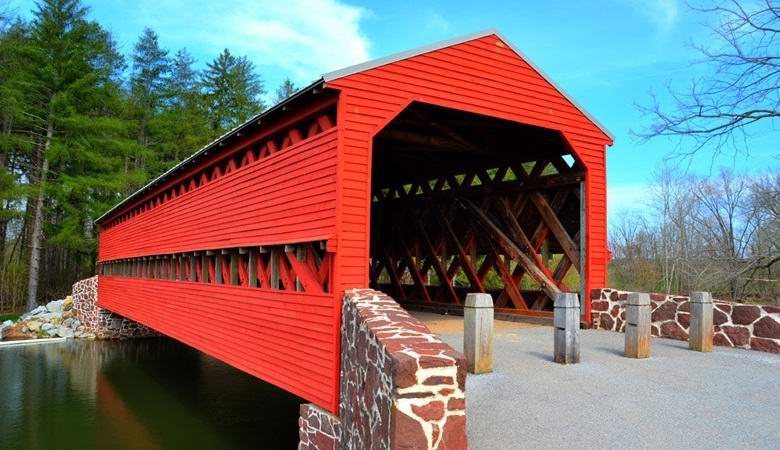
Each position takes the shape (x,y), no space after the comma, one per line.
(469,203)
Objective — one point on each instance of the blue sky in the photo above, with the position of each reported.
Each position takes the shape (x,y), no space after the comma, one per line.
(607,54)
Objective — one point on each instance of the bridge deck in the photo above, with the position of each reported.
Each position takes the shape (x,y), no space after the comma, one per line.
(676,398)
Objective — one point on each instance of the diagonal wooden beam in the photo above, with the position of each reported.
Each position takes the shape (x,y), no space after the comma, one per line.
(551,219)
(436,262)
(449,233)
(509,247)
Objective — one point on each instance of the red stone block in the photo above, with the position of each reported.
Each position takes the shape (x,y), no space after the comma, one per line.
(606,322)
(614,296)
(599,306)
(665,311)
(739,336)
(723,306)
(719,317)
(684,319)
(431,412)
(657,297)
(455,434)
(438,380)
(673,330)
(745,314)
(407,432)
(456,403)
(772,309)
(720,339)
(767,327)
(764,345)
(684,306)
(404,369)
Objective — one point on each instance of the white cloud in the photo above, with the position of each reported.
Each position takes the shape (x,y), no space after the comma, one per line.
(663,13)
(302,38)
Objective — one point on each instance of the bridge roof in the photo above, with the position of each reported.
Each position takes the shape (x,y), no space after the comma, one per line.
(257,120)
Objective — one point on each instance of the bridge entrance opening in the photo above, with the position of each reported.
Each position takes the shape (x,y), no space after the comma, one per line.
(463,202)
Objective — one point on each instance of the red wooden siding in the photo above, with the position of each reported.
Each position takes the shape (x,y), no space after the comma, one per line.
(285,338)
(483,76)
(285,198)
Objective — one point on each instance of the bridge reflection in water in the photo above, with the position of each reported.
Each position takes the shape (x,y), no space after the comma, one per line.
(142,394)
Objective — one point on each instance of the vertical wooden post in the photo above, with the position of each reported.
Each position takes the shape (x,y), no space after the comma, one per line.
(234,267)
(478,332)
(274,263)
(218,268)
(701,330)
(252,269)
(566,318)
(182,272)
(637,326)
(204,266)
(193,272)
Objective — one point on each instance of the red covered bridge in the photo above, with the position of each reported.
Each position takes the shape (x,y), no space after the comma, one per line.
(453,168)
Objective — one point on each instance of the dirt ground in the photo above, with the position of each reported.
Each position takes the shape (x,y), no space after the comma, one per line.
(439,323)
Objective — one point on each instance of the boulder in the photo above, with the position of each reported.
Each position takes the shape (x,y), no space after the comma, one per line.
(37,311)
(54,306)
(67,323)
(76,324)
(34,325)
(65,332)
(55,319)
(67,304)
(52,331)
(47,326)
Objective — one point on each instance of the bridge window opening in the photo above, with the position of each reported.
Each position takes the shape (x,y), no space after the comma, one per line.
(468,203)
(301,267)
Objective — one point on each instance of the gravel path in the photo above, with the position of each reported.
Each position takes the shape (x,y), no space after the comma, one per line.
(676,399)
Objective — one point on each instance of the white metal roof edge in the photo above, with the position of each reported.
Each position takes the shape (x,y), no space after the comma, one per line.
(374,63)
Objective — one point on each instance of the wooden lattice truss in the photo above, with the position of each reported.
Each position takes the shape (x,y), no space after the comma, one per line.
(512,231)
(301,267)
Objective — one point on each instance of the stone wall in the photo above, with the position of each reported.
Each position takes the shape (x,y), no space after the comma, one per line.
(318,429)
(103,323)
(754,327)
(401,385)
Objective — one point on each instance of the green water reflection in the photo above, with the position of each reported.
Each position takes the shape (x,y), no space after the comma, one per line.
(141,394)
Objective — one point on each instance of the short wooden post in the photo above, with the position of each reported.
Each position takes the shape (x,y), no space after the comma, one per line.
(566,319)
(637,326)
(701,330)
(478,332)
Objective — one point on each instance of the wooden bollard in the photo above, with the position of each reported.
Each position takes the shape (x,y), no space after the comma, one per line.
(566,319)
(478,332)
(637,326)
(701,331)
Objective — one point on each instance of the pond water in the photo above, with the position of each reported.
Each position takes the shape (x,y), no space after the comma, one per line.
(137,394)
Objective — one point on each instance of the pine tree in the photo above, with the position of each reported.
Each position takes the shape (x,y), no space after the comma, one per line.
(183,121)
(149,76)
(284,91)
(72,82)
(232,91)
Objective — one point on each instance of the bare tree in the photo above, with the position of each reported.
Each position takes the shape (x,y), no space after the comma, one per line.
(740,89)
